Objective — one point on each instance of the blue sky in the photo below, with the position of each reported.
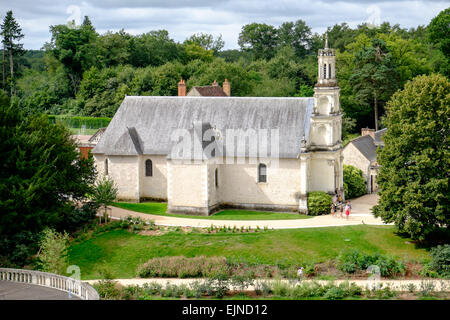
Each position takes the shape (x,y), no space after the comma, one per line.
(226,17)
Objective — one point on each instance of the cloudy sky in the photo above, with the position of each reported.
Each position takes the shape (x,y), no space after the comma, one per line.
(183,18)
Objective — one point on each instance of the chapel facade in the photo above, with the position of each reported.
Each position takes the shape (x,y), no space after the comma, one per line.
(183,149)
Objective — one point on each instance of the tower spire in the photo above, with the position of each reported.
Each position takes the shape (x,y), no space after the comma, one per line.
(326,40)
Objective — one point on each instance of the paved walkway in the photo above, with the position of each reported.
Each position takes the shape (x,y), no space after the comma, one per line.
(360,215)
(25,291)
(399,285)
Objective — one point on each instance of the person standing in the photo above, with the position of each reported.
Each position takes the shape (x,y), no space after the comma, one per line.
(300,274)
(348,208)
(333,208)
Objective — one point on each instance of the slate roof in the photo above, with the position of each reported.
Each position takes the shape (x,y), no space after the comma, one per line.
(96,136)
(378,135)
(209,91)
(144,125)
(366,146)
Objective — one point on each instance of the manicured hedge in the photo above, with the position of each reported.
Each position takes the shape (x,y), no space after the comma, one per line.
(319,202)
(80,122)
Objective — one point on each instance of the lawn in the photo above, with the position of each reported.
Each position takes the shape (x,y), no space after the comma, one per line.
(121,251)
(159,208)
(82,131)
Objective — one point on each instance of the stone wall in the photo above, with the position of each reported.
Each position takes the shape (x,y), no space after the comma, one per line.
(187,188)
(124,171)
(240,185)
(154,187)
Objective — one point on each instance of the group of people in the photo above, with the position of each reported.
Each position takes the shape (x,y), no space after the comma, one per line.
(338,203)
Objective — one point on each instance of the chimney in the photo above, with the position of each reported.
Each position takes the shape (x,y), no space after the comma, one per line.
(215,83)
(226,86)
(181,88)
(368,132)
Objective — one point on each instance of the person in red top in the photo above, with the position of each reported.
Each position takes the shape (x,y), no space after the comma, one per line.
(348,208)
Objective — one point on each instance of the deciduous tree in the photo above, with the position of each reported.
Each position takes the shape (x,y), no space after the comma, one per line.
(415,160)
(259,38)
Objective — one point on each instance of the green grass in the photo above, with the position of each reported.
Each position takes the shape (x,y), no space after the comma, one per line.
(121,251)
(159,208)
(80,131)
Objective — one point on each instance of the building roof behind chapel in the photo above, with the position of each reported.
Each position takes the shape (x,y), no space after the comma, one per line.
(144,125)
(208,91)
(366,146)
(378,136)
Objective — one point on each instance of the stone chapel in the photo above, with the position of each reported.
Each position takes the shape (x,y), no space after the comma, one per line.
(202,153)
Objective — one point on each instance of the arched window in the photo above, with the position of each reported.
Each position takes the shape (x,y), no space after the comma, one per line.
(106,167)
(148,168)
(216,178)
(324,70)
(329,71)
(262,173)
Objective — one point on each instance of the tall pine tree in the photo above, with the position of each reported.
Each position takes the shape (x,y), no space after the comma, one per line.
(374,77)
(11,35)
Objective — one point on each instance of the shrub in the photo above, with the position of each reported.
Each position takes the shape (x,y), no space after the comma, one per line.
(132,292)
(198,288)
(242,281)
(80,216)
(280,288)
(319,202)
(309,290)
(152,288)
(354,183)
(262,287)
(440,260)
(52,254)
(107,289)
(352,261)
(334,293)
(219,285)
(426,288)
(137,224)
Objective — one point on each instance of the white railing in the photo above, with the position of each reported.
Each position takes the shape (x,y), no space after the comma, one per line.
(77,288)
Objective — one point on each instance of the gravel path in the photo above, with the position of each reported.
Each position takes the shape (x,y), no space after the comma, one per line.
(360,215)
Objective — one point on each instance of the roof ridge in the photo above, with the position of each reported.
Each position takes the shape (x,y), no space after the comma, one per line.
(228,98)
(360,137)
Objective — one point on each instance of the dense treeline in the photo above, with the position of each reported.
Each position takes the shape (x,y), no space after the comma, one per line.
(81,72)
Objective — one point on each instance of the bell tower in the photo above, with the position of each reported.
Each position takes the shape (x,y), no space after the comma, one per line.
(327,117)
(324,143)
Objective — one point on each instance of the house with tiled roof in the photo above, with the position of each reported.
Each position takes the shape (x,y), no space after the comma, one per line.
(214,90)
